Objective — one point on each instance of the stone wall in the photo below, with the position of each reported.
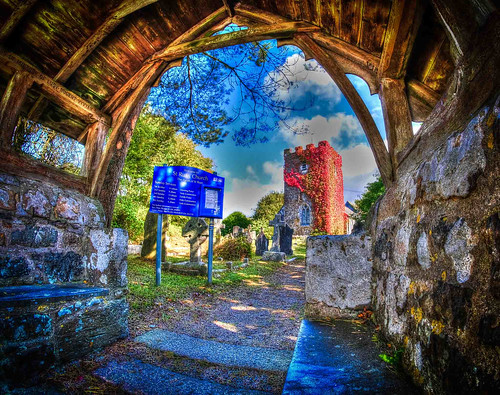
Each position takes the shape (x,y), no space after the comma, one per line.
(338,275)
(436,246)
(53,240)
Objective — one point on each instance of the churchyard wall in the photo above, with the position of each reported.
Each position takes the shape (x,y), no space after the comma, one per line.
(62,276)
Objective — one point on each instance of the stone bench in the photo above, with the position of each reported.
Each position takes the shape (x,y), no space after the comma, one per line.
(42,325)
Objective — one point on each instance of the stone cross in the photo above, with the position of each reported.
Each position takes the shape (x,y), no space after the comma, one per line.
(196,231)
(277,223)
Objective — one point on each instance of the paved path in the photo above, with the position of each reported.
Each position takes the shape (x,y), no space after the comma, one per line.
(217,352)
(139,377)
(340,359)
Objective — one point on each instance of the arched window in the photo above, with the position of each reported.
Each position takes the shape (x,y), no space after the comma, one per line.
(305,215)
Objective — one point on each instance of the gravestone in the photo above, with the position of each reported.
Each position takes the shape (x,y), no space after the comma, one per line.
(261,244)
(149,245)
(277,222)
(236,231)
(196,231)
(286,234)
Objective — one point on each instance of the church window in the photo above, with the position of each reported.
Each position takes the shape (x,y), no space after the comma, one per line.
(305,215)
(303,168)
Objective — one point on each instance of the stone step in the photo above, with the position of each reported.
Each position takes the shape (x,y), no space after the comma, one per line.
(216,352)
(340,359)
(139,377)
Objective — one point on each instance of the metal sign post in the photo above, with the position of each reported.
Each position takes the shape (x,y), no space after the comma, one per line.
(159,245)
(210,249)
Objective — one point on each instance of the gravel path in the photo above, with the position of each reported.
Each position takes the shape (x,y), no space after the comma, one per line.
(265,313)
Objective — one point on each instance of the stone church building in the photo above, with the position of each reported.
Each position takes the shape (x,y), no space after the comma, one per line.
(314,190)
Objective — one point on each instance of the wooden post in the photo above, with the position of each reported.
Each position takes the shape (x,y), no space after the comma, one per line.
(362,113)
(111,182)
(10,106)
(397,117)
(461,20)
(95,135)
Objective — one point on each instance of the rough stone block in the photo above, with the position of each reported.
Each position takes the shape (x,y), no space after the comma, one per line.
(34,237)
(13,266)
(338,274)
(17,328)
(274,256)
(62,267)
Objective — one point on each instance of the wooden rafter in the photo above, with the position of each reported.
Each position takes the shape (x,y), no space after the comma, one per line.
(229,9)
(10,105)
(330,64)
(17,15)
(53,90)
(404,20)
(397,116)
(127,7)
(282,30)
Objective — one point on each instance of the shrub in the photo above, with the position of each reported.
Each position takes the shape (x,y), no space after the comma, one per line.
(234,249)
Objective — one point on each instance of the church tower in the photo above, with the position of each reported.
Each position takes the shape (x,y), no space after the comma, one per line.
(314,190)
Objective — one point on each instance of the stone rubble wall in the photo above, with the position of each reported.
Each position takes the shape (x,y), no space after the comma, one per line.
(51,235)
(436,251)
(338,275)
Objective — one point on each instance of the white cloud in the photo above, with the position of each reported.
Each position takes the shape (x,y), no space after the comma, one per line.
(298,76)
(357,161)
(246,192)
(251,171)
(321,128)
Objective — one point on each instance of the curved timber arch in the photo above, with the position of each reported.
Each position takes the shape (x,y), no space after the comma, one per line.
(101,76)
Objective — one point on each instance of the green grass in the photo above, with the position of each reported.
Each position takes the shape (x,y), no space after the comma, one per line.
(143,294)
(299,248)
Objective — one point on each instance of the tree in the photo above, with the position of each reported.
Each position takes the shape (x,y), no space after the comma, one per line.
(373,191)
(155,142)
(236,218)
(266,209)
(237,87)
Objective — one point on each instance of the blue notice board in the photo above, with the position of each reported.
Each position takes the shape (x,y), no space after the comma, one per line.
(181,190)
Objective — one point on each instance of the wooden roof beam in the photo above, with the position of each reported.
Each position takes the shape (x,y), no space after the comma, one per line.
(282,30)
(354,60)
(229,9)
(332,67)
(127,7)
(404,21)
(53,90)
(15,18)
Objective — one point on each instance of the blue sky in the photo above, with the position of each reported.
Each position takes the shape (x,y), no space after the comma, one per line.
(252,172)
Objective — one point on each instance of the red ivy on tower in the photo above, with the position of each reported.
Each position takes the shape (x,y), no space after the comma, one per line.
(323,183)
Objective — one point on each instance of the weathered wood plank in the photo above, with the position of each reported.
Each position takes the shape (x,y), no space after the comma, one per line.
(330,64)
(397,117)
(124,9)
(282,30)
(53,90)
(22,165)
(16,17)
(404,20)
(10,106)
(94,136)
(421,100)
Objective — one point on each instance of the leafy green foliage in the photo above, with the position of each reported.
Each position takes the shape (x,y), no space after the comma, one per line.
(236,218)
(234,249)
(267,208)
(155,142)
(394,359)
(373,191)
